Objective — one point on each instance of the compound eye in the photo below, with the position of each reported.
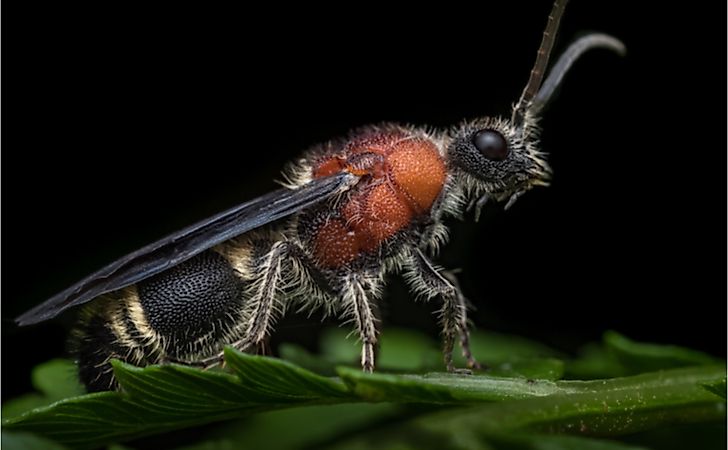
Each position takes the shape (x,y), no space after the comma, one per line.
(491,144)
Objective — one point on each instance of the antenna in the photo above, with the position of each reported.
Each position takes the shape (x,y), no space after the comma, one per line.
(542,60)
(565,61)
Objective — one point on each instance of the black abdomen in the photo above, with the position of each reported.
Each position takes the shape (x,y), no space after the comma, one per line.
(192,300)
(187,312)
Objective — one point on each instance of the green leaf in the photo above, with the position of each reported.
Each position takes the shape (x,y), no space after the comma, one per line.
(301,357)
(339,347)
(620,356)
(54,380)
(550,442)
(717,387)
(534,369)
(282,380)
(163,398)
(18,406)
(603,407)
(594,361)
(405,351)
(638,357)
(518,397)
(400,350)
(27,441)
(306,427)
(57,378)
(409,437)
(494,348)
(443,388)
(513,356)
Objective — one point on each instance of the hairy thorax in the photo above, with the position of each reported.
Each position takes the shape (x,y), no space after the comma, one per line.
(403,174)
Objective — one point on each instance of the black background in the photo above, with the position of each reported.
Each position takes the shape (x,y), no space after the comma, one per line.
(123,125)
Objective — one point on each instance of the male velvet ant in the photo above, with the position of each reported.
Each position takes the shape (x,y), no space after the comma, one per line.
(352,211)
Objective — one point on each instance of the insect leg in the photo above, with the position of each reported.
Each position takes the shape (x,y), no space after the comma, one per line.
(463,304)
(262,305)
(358,305)
(263,301)
(427,281)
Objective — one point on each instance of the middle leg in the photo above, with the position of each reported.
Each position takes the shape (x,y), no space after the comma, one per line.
(357,295)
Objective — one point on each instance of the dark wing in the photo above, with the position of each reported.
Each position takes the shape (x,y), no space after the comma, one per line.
(183,245)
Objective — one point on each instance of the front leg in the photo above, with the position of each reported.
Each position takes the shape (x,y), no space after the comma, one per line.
(425,280)
(356,294)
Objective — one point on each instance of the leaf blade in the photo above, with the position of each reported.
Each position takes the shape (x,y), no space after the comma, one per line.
(170,397)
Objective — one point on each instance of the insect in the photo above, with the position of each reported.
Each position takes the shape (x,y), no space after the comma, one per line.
(351,211)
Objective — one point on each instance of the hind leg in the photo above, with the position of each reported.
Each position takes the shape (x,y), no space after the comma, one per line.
(263,305)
